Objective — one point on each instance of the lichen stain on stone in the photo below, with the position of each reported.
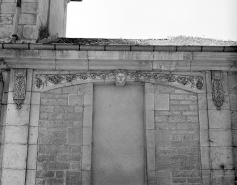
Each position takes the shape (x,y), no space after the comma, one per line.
(43,32)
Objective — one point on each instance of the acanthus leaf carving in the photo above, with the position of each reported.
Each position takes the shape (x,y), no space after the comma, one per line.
(217,93)
(47,80)
(19,93)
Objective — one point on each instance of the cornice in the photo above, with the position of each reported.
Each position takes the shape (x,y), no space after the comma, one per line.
(50,59)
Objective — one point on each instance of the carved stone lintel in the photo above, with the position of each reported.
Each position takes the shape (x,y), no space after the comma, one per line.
(19,93)
(218,97)
(120,77)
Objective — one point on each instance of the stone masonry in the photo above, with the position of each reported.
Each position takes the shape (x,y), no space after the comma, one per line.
(177,136)
(60,137)
(232,79)
(38,19)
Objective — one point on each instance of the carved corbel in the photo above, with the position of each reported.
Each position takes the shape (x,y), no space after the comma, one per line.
(217,89)
(19,93)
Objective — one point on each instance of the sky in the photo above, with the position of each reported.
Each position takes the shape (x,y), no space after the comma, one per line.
(154,19)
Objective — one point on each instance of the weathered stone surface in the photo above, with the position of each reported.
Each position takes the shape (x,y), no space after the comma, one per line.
(32,157)
(16,117)
(233,101)
(30,177)
(220,138)
(164,177)
(219,119)
(163,138)
(13,177)
(73,178)
(28,19)
(221,158)
(16,134)
(232,81)
(60,137)
(14,156)
(161,101)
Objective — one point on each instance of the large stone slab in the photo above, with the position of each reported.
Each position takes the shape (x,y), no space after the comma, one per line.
(219,119)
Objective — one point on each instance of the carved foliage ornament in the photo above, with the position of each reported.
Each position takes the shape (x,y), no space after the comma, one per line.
(19,93)
(217,93)
(119,76)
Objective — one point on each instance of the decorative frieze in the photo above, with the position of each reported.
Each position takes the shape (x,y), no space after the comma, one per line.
(120,77)
(19,93)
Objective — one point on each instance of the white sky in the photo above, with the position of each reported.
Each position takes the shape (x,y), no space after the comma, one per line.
(142,19)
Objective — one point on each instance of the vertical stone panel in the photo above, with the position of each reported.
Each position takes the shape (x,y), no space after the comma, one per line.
(232,88)
(220,139)
(87,134)
(150,134)
(204,131)
(33,136)
(64,135)
(178,155)
(16,132)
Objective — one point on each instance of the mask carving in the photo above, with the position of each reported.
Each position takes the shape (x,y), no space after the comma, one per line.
(120,79)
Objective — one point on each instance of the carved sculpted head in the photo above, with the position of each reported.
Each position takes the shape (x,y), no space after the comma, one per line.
(120,78)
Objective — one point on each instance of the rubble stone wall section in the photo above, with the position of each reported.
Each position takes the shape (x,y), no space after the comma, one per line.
(60,140)
(177,136)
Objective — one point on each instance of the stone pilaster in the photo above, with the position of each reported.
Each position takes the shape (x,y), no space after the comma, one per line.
(150,134)
(16,132)
(87,135)
(220,140)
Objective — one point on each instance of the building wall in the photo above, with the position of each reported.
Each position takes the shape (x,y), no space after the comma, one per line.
(38,19)
(178,159)
(60,136)
(232,82)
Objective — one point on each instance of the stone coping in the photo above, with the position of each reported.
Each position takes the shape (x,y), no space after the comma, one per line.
(148,48)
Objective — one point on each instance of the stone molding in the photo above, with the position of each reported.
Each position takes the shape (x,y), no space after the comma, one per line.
(194,83)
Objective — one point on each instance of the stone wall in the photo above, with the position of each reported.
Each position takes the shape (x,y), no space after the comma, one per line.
(177,144)
(232,79)
(60,147)
(49,140)
(38,19)
(27,28)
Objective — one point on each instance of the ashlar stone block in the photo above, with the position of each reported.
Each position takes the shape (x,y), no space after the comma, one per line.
(34,115)
(30,177)
(17,117)
(162,138)
(203,119)
(86,158)
(161,101)
(32,157)
(150,138)
(205,158)
(219,119)
(220,137)
(221,157)
(151,159)
(16,134)
(33,135)
(87,135)
(14,156)
(86,177)
(13,177)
